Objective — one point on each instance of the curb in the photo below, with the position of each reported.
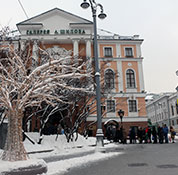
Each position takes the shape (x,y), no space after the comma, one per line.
(30,169)
(81,154)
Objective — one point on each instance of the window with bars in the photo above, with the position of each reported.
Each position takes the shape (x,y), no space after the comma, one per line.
(132,106)
(128,52)
(110,106)
(109,79)
(108,52)
(130,76)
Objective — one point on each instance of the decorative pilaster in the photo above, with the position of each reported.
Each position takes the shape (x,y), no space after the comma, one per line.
(76,50)
(141,79)
(120,77)
(88,48)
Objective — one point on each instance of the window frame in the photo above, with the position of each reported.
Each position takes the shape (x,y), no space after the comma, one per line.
(127,53)
(172,110)
(132,105)
(130,79)
(111,52)
(109,80)
(111,106)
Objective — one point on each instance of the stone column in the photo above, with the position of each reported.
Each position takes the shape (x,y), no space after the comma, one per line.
(88,48)
(76,50)
(88,52)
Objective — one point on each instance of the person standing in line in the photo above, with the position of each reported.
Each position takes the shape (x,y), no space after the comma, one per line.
(160,134)
(165,131)
(140,134)
(132,135)
(154,134)
(173,133)
(149,135)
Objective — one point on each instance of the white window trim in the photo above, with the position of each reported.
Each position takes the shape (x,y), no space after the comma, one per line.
(110,114)
(130,89)
(104,51)
(114,89)
(132,51)
(132,114)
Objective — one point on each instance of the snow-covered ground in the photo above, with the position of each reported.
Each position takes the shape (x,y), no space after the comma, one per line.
(61,147)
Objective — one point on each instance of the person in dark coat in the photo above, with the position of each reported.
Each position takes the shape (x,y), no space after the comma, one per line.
(117,138)
(154,134)
(165,131)
(149,135)
(140,134)
(124,136)
(160,134)
(132,135)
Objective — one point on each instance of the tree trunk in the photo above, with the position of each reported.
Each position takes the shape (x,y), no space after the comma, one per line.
(14,148)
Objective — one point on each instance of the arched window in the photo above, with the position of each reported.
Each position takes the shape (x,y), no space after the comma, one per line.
(130,78)
(109,79)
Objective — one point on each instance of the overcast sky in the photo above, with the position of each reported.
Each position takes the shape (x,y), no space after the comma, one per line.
(156,21)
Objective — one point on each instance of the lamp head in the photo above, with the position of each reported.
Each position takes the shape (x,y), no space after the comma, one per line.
(102,15)
(121,113)
(85,4)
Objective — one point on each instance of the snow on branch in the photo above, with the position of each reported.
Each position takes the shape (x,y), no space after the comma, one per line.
(49,80)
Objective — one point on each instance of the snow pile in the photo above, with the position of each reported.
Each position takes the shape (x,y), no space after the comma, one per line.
(59,146)
(63,166)
(7,166)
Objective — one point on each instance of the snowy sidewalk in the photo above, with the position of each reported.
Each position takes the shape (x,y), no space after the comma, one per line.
(61,156)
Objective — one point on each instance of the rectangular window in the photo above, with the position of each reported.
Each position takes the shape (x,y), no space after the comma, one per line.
(108,52)
(132,106)
(172,109)
(172,122)
(110,106)
(128,52)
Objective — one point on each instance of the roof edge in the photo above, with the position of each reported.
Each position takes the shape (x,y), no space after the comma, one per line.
(20,23)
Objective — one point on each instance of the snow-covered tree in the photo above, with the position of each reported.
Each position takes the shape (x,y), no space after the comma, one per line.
(27,81)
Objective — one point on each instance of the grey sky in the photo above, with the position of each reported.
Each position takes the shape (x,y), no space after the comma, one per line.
(156,21)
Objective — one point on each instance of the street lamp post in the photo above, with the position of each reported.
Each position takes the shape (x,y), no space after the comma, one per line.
(121,115)
(94,5)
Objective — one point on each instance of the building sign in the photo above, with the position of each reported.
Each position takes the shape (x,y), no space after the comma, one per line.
(56,32)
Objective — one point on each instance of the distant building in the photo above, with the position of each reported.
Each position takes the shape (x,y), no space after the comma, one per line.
(163,109)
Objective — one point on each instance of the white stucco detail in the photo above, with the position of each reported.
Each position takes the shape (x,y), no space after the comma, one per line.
(50,24)
(125,119)
(88,48)
(120,76)
(141,78)
(118,50)
(138,49)
(75,50)
(35,51)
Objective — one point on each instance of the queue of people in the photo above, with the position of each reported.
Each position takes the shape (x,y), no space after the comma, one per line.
(152,134)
